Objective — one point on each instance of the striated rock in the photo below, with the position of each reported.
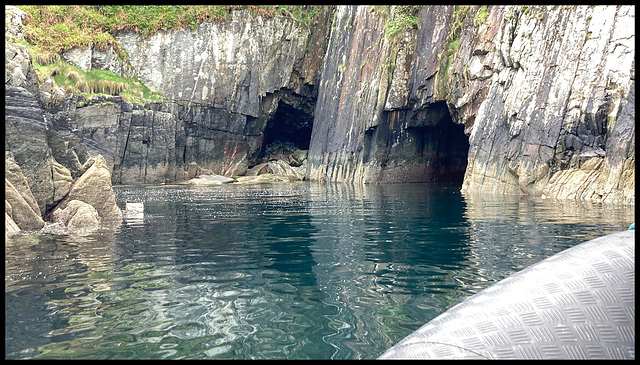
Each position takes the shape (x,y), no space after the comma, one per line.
(25,125)
(281,168)
(20,205)
(503,99)
(224,68)
(377,118)
(69,151)
(13,173)
(26,138)
(504,95)
(94,188)
(61,180)
(243,70)
(10,226)
(594,180)
(275,167)
(21,212)
(551,97)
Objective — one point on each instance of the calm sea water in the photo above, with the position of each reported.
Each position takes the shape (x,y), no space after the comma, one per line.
(277,271)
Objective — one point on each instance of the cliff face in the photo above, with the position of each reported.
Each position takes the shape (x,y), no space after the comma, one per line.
(543,96)
(535,89)
(224,86)
(377,119)
(502,99)
(560,93)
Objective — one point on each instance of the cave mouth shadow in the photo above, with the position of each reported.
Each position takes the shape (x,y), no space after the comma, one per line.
(440,142)
(289,126)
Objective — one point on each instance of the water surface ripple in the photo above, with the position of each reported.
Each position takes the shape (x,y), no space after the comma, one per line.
(275,271)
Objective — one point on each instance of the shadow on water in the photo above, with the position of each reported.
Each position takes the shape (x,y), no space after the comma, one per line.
(279,271)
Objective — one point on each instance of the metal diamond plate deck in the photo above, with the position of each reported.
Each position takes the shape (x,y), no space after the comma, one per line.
(577,304)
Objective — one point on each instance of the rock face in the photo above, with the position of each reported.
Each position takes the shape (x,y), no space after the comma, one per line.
(36,184)
(21,209)
(561,91)
(535,90)
(223,84)
(376,117)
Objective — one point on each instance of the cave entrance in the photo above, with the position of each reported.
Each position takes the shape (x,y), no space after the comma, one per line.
(288,127)
(441,141)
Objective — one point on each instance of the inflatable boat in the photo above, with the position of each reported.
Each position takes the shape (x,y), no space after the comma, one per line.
(577,304)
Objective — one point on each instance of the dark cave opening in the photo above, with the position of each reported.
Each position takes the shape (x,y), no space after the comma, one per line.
(441,141)
(289,126)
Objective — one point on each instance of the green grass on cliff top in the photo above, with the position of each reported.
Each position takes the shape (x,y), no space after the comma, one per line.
(56,28)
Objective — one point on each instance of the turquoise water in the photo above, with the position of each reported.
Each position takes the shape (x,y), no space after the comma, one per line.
(275,271)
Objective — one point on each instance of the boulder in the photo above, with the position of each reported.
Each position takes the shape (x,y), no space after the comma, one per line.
(258,169)
(279,167)
(20,205)
(77,215)
(275,167)
(13,173)
(94,188)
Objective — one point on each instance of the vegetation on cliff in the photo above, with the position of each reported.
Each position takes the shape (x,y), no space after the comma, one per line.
(406,17)
(73,80)
(53,29)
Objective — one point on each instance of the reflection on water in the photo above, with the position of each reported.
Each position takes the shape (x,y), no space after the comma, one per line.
(282,271)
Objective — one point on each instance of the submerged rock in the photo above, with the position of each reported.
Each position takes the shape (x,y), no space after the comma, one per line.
(264,178)
(211,180)
(275,167)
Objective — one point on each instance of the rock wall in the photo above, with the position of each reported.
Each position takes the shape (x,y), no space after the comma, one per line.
(377,119)
(229,65)
(544,94)
(559,96)
(222,83)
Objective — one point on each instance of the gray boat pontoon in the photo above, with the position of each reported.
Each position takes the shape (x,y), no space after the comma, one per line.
(577,304)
